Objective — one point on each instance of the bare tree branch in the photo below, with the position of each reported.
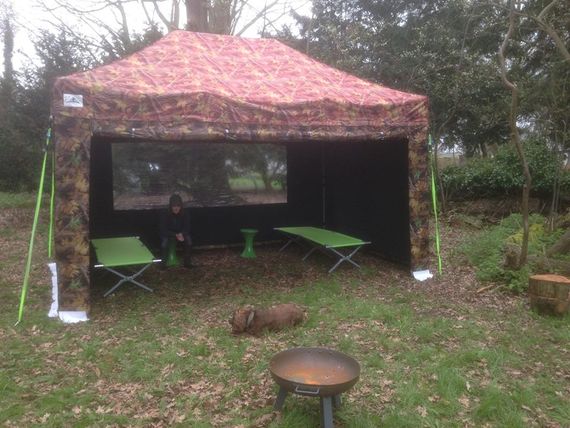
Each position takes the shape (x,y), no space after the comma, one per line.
(515,137)
(170,26)
(148,18)
(175,13)
(236,12)
(124,24)
(68,7)
(62,25)
(260,14)
(540,19)
(557,40)
(547,9)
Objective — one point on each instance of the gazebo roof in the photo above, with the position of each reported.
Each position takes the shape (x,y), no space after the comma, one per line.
(208,78)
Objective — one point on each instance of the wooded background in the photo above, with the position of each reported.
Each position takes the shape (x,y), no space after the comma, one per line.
(445,49)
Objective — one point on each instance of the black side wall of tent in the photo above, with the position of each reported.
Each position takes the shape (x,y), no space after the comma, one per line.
(367,195)
(365,189)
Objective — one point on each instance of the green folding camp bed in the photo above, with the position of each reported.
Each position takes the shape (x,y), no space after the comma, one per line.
(121,252)
(324,239)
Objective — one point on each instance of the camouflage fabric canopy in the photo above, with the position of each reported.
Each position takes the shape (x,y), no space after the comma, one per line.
(213,79)
(204,87)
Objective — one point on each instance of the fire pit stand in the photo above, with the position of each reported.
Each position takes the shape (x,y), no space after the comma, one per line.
(317,372)
(327,404)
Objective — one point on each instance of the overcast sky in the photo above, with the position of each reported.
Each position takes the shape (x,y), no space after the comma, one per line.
(30,17)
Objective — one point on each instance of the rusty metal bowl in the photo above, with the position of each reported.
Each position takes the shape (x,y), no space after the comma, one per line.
(314,371)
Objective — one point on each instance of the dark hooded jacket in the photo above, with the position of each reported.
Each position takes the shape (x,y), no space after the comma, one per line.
(170,223)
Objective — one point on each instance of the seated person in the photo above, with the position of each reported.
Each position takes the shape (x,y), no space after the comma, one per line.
(175,226)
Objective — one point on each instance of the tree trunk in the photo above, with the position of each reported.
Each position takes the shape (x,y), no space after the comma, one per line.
(515,138)
(197,15)
(524,212)
(484,153)
(8,36)
(560,143)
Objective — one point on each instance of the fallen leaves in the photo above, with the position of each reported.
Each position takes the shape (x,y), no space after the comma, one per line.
(464,401)
(185,368)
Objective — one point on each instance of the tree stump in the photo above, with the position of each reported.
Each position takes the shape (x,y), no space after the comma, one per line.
(549,294)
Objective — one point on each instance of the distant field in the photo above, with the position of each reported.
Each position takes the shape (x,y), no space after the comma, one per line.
(252,183)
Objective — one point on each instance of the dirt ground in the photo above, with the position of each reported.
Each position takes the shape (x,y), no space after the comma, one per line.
(457,282)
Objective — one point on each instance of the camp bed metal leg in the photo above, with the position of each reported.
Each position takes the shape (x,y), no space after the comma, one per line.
(127,278)
(289,242)
(323,240)
(345,258)
(286,245)
(310,252)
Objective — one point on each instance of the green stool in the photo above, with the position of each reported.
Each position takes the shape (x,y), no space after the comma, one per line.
(172,257)
(248,235)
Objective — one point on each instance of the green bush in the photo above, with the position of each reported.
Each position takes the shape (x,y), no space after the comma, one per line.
(485,251)
(502,175)
(20,162)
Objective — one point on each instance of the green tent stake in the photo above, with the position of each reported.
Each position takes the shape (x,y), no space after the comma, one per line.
(434,201)
(31,248)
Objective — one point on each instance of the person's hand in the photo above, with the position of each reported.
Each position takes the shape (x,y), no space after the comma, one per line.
(180,237)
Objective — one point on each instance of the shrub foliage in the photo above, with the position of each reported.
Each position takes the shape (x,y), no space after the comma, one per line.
(485,251)
(502,175)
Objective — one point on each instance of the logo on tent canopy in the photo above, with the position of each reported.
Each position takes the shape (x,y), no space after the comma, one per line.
(72,100)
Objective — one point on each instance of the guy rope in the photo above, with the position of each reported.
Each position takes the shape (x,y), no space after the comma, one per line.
(48,149)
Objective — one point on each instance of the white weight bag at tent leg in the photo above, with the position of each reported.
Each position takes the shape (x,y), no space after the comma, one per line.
(422,275)
(67,317)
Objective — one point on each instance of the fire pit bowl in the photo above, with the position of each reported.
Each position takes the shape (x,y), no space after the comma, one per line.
(314,371)
(320,372)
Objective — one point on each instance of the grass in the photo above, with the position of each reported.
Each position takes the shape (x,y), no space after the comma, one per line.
(252,182)
(431,354)
(19,200)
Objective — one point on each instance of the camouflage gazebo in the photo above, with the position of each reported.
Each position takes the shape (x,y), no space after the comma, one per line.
(192,87)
